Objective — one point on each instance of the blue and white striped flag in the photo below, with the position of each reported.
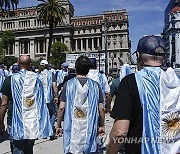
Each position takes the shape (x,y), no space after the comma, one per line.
(81,117)
(159,93)
(125,70)
(30,114)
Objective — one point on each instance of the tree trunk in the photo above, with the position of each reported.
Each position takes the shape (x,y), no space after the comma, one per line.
(50,39)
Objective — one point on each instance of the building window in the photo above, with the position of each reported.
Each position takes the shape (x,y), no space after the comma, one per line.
(41,46)
(114,45)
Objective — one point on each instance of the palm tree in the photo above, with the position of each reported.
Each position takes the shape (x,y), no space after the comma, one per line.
(51,12)
(7,5)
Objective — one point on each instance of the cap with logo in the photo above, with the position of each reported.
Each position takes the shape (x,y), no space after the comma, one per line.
(44,62)
(151,45)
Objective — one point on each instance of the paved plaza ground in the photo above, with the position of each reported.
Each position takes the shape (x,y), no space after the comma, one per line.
(45,146)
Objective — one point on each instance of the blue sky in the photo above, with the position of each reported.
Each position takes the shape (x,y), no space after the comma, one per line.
(146,17)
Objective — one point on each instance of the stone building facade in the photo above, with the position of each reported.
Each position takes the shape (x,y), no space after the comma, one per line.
(171,32)
(91,33)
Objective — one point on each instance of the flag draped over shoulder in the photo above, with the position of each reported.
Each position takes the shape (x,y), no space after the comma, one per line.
(46,79)
(1,83)
(159,93)
(125,70)
(81,117)
(60,74)
(30,114)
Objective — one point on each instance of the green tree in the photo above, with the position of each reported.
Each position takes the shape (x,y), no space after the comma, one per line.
(9,60)
(7,39)
(51,12)
(58,51)
(1,51)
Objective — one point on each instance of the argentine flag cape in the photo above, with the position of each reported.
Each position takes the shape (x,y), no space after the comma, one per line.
(159,93)
(124,71)
(30,118)
(46,79)
(2,78)
(60,74)
(101,79)
(81,117)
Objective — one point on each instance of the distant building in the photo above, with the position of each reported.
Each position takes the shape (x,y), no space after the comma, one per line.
(80,34)
(172,32)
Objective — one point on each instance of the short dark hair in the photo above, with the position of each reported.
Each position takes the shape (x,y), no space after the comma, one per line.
(82,65)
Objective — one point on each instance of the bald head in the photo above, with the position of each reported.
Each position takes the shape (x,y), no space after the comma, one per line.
(24,62)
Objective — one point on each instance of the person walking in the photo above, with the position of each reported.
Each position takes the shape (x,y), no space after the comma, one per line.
(95,75)
(146,109)
(50,91)
(28,117)
(82,106)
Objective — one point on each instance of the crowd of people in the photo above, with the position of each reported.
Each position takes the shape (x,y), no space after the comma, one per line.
(72,102)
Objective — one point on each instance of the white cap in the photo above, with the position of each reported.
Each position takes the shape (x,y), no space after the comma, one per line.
(44,62)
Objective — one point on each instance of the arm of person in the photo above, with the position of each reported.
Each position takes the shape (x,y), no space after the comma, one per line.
(61,111)
(3,108)
(108,103)
(60,118)
(55,92)
(119,130)
(101,119)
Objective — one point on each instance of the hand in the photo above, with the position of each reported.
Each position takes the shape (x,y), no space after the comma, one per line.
(101,131)
(55,100)
(2,129)
(107,110)
(59,132)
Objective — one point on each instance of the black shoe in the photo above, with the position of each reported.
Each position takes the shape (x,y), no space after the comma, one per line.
(52,138)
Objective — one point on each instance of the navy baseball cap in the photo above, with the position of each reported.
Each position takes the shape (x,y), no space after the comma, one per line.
(151,45)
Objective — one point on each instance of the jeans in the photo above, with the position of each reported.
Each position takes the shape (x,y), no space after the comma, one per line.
(22,146)
(52,116)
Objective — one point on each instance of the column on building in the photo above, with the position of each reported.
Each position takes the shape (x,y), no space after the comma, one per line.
(177,47)
(87,44)
(93,44)
(17,51)
(81,44)
(76,45)
(111,44)
(98,44)
(44,45)
(126,41)
(32,47)
(103,42)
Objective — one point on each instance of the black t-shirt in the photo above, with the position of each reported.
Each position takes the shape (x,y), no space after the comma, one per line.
(6,90)
(127,106)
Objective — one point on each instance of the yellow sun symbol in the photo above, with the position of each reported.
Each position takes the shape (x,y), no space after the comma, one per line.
(80,114)
(29,101)
(171,125)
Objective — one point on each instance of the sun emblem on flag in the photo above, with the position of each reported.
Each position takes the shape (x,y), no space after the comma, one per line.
(80,114)
(171,125)
(43,83)
(29,101)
